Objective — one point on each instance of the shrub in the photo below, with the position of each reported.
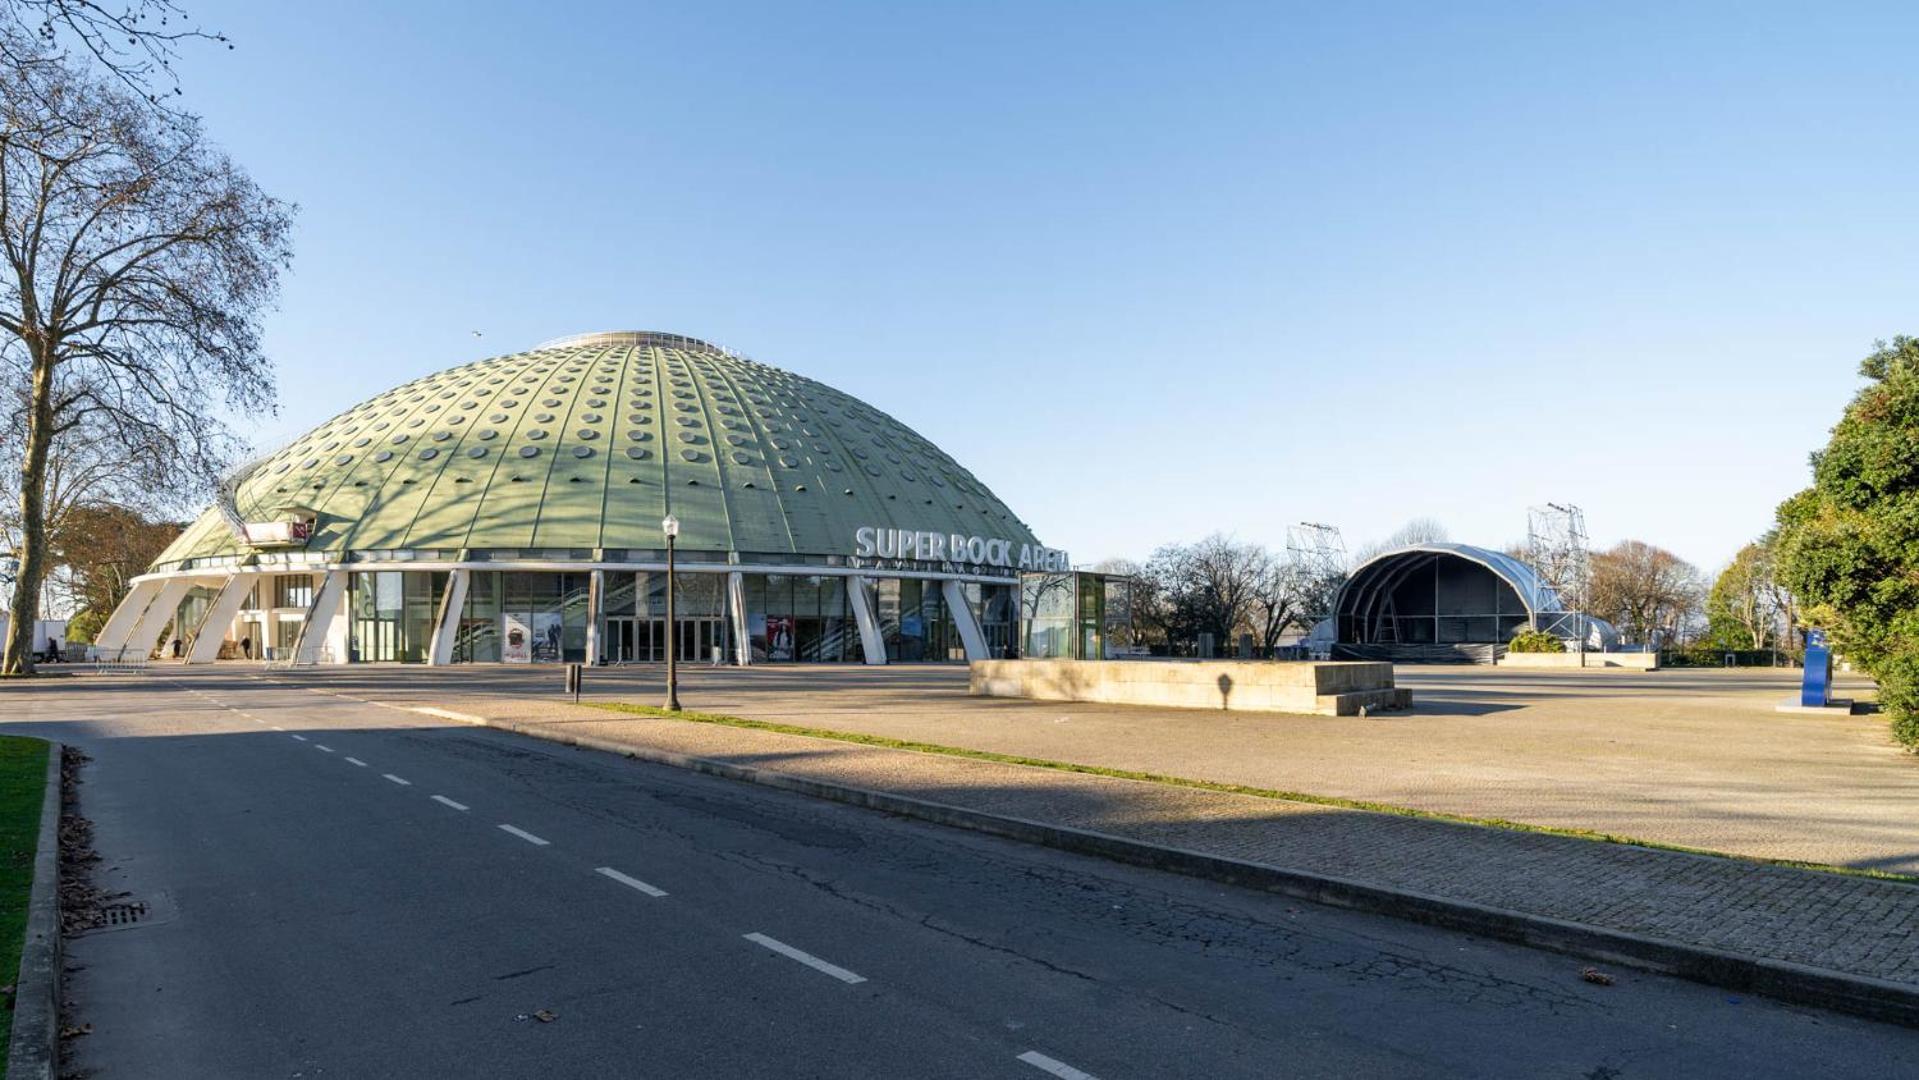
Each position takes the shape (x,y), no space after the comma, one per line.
(1535,641)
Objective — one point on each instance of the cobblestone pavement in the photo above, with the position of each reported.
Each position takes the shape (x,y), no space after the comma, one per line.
(1855,925)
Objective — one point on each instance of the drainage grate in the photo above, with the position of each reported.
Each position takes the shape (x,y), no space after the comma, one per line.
(124,914)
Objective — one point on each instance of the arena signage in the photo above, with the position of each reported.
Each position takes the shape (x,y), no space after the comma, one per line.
(922,545)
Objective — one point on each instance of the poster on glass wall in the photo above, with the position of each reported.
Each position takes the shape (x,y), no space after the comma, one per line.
(779,637)
(517,647)
(756,634)
(546,637)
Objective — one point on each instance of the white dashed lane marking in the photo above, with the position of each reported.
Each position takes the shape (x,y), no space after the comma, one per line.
(398,780)
(524,835)
(630,882)
(357,761)
(323,746)
(1058,1068)
(444,801)
(806,958)
(302,738)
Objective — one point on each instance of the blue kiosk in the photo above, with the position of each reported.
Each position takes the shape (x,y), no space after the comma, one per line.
(1815,686)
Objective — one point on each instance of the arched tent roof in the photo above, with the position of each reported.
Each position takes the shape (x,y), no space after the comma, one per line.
(1379,575)
(1375,572)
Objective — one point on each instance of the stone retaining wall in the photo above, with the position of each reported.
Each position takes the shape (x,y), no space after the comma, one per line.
(1328,688)
(1641,661)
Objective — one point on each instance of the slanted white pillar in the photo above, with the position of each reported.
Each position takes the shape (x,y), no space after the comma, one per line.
(736,603)
(326,627)
(595,604)
(971,639)
(113,637)
(219,618)
(446,631)
(164,607)
(871,642)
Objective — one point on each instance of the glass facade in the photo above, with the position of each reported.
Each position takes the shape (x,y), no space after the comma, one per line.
(1063,616)
(292,590)
(524,618)
(187,618)
(800,617)
(633,617)
(542,617)
(392,616)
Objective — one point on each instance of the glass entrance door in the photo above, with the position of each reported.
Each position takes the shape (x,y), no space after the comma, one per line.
(697,640)
(620,640)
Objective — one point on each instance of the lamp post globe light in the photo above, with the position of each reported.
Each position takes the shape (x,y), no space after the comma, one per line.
(670,525)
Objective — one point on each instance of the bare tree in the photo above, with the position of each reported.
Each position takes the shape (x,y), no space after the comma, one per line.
(1206,587)
(1647,591)
(1283,597)
(134,41)
(137,261)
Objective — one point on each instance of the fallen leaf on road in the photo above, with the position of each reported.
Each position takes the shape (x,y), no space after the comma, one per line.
(75,1032)
(546,1016)
(1595,976)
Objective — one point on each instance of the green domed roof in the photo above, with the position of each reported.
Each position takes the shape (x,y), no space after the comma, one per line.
(587,442)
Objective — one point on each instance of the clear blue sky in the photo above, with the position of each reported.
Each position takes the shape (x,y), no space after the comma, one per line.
(1149,271)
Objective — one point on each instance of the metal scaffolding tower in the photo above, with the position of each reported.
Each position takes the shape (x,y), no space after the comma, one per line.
(1557,549)
(1318,556)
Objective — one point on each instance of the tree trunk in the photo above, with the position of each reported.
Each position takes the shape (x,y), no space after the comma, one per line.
(18,658)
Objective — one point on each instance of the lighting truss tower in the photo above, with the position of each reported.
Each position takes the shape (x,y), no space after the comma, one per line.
(1556,546)
(1318,555)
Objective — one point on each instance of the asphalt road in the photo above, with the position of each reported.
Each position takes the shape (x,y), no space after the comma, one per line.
(344,890)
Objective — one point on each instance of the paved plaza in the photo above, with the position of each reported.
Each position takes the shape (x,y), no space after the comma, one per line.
(1696,758)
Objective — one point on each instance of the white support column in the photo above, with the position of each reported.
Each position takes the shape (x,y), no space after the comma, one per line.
(326,627)
(736,601)
(595,604)
(113,637)
(871,642)
(447,629)
(971,639)
(164,607)
(219,619)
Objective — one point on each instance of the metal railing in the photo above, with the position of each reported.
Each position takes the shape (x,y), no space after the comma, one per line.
(119,661)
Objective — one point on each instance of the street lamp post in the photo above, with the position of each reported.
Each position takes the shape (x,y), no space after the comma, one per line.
(671,527)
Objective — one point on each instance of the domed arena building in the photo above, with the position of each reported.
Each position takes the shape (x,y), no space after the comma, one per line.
(511,510)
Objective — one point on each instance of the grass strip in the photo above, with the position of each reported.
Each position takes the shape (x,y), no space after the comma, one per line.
(23,781)
(888,743)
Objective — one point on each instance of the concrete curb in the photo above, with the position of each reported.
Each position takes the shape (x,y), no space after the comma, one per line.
(34,1051)
(1873,999)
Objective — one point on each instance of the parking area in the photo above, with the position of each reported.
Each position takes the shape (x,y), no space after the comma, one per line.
(1691,757)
